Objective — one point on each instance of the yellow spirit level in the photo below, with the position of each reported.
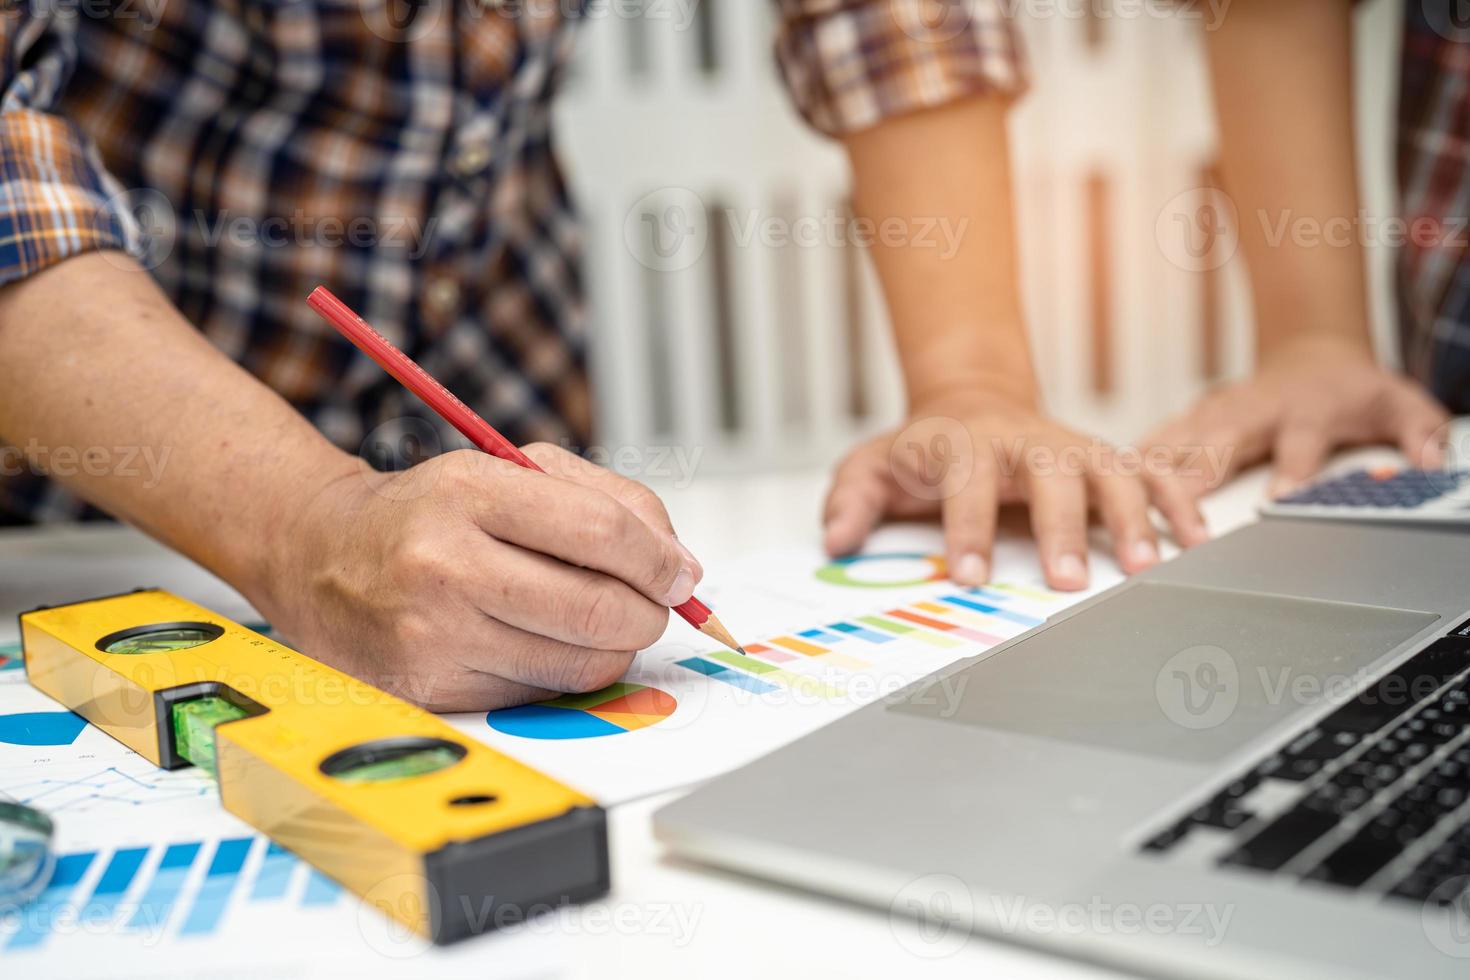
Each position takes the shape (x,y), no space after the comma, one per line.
(440,832)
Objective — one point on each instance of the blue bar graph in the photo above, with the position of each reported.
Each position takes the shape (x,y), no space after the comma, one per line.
(165,886)
(320,890)
(219,882)
(821,636)
(168,880)
(872,636)
(995,611)
(274,876)
(40,915)
(114,883)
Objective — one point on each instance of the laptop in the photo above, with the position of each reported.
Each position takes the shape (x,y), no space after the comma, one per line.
(1251,761)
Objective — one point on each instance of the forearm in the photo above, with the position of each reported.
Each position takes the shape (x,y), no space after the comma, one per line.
(164,431)
(1282,75)
(951,293)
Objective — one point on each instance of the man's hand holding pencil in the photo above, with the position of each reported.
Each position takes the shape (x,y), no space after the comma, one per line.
(469,583)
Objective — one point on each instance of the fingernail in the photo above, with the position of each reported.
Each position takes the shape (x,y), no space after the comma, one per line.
(693,562)
(1069,571)
(971,570)
(1280,487)
(837,538)
(682,588)
(1142,554)
(1194,534)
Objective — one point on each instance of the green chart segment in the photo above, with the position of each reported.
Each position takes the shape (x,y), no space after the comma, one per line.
(889,570)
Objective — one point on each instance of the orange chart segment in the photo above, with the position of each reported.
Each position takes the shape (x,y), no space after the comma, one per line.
(615,710)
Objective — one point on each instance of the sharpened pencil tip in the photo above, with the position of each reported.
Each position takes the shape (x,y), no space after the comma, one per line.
(714,629)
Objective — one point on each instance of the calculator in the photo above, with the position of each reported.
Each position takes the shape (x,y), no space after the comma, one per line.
(1382,494)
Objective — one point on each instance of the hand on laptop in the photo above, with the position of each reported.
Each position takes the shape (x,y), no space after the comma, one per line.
(961,458)
(1311,397)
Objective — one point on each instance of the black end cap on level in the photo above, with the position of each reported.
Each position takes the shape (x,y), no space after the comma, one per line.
(481,885)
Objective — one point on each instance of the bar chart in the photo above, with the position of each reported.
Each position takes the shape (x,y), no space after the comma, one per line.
(815,661)
(186,890)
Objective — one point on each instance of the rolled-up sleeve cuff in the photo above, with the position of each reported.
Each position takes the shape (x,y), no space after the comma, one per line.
(849,64)
(56,200)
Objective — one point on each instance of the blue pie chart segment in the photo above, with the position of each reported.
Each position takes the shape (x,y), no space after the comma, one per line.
(41,728)
(544,722)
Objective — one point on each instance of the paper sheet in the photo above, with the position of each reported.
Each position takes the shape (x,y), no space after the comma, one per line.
(825,639)
(156,880)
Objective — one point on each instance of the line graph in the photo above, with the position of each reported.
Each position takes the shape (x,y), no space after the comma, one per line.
(85,787)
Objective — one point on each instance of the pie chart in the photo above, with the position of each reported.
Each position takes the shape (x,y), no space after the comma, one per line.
(611,711)
(884,571)
(49,728)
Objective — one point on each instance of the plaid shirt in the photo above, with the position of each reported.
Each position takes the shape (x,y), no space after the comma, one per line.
(1434,185)
(399,151)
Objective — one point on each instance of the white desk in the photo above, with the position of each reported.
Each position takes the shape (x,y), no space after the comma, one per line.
(665,918)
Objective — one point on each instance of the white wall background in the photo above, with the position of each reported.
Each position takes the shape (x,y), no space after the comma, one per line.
(766,354)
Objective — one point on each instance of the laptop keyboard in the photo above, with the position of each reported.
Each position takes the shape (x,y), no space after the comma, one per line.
(1373,797)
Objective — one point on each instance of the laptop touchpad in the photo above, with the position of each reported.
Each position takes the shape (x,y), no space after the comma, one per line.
(1176,671)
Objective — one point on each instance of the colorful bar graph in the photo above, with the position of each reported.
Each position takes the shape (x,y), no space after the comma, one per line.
(1003,591)
(723,674)
(996,611)
(980,618)
(813,652)
(803,683)
(157,903)
(42,913)
(735,661)
(911,632)
(759,678)
(114,883)
(799,646)
(766,653)
(219,882)
(852,629)
(943,627)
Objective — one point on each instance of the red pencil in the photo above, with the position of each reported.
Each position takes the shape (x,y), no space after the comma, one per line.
(463,418)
